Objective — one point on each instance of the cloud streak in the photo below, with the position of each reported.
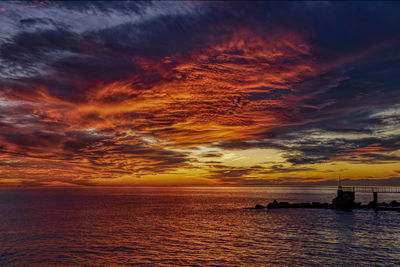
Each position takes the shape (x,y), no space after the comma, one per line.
(97,93)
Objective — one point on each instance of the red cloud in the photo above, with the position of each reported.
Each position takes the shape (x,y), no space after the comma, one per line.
(201,98)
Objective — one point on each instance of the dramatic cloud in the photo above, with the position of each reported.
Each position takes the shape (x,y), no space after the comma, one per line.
(132,92)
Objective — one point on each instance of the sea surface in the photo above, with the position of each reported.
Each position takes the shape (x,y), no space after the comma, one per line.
(192,227)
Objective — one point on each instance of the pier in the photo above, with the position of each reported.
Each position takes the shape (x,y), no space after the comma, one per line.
(351,190)
(345,200)
(371,189)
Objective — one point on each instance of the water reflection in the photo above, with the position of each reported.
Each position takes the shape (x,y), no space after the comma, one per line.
(188,226)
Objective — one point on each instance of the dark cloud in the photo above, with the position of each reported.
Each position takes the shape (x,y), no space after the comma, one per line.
(117,87)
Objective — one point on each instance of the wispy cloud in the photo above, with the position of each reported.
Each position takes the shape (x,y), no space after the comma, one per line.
(95,91)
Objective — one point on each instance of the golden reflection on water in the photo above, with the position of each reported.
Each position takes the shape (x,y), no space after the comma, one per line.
(188,226)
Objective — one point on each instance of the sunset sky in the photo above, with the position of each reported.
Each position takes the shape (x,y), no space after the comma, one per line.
(198,93)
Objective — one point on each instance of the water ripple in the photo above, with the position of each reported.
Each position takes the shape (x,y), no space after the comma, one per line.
(189,227)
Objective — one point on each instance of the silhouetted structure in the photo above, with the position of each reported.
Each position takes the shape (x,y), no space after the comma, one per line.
(345,200)
(369,189)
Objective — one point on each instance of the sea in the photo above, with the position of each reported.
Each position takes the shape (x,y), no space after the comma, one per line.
(191,226)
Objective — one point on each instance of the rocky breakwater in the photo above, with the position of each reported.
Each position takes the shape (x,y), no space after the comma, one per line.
(286,205)
(342,201)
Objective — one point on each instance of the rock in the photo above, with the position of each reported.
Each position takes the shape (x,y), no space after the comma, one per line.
(316,205)
(259,207)
(283,205)
(273,205)
(384,204)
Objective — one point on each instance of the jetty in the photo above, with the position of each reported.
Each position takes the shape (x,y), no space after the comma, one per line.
(374,190)
(345,200)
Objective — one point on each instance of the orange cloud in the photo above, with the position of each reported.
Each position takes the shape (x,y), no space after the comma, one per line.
(373,148)
(206,96)
(224,91)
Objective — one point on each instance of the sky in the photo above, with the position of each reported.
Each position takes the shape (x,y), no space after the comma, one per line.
(128,93)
